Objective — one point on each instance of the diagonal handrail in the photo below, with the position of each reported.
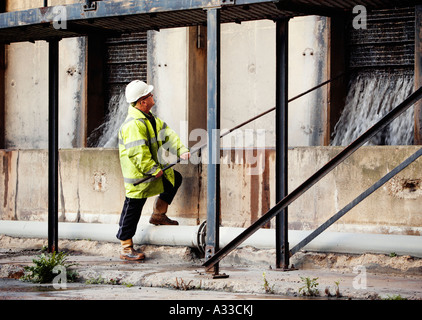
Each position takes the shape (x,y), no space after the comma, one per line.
(226,132)
(343,155)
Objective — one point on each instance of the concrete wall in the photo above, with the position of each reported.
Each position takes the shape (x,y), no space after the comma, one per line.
(26,94)
(26,89)
(91,189)
(247,77)
(394,208)
(308,67)
(247,80)
(167,71)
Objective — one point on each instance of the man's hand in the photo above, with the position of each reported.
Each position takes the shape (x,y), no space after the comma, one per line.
(159,174)
(185,156)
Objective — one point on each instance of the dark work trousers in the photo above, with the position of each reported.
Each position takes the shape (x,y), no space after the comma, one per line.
(132,208)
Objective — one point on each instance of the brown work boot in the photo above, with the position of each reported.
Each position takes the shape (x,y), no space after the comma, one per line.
(162,219)
(128,253)
(158,216)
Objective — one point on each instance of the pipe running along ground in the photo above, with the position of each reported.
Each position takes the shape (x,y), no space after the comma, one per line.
(194,237)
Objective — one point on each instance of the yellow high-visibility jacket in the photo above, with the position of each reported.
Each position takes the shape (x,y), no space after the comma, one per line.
(139,153)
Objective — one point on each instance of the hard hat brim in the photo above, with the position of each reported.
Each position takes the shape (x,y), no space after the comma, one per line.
(150,88)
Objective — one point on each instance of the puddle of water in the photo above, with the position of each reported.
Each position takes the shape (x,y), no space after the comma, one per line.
(16,286)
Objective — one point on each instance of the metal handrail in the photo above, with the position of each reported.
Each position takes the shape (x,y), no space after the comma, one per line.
(245,123)
(343,155)
(356,201)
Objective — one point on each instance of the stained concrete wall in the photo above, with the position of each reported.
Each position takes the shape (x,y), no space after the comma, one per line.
(91,189)
(26,94)
(247,80)
(26,89)
(247,77)
(167,71)
(394,208)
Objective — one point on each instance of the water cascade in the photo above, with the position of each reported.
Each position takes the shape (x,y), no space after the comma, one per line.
(117,112)
(370,97)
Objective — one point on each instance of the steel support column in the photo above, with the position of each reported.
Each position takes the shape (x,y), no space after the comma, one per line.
(53,143)
(213,127)
(282,244)
(2,87)
(418,72)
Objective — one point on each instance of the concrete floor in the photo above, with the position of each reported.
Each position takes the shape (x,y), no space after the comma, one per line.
(175,273)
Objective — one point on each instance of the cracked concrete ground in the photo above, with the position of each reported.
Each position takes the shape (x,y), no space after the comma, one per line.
(175,273)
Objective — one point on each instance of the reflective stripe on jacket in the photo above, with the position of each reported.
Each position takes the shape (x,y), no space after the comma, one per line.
(140,153)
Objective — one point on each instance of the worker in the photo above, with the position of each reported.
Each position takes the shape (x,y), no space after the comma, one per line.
(141,136)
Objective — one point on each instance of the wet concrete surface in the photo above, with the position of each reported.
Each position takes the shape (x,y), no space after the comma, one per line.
(11,289)
(175,273)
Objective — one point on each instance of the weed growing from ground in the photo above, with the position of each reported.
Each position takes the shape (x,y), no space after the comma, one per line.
(181,285)
(42,271)
(394,297)
(337,289)
(266,285)
(310,287)
(112,281)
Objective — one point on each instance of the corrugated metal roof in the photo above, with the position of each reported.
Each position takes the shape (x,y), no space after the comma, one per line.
(118,16)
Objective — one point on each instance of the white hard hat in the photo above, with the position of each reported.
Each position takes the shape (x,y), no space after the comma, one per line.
(137,89)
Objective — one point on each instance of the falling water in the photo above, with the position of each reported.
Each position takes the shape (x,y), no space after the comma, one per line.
(370,97)
(109,129)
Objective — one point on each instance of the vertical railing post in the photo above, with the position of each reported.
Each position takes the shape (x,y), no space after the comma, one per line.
(282,244)
(2,87)
(213,127)
(53,142)
(418,72)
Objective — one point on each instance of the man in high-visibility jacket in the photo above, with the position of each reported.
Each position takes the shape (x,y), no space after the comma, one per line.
(142,137)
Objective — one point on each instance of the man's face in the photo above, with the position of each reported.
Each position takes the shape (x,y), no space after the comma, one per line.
(148,101)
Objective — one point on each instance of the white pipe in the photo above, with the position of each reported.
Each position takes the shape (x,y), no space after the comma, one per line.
(339,242)
(145,234)
(167,235)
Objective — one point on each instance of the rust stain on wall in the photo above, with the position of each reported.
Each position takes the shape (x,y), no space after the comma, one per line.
(265,187)
(405,188)
(6,177)
(100,181)
(10,186)
(260,186)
